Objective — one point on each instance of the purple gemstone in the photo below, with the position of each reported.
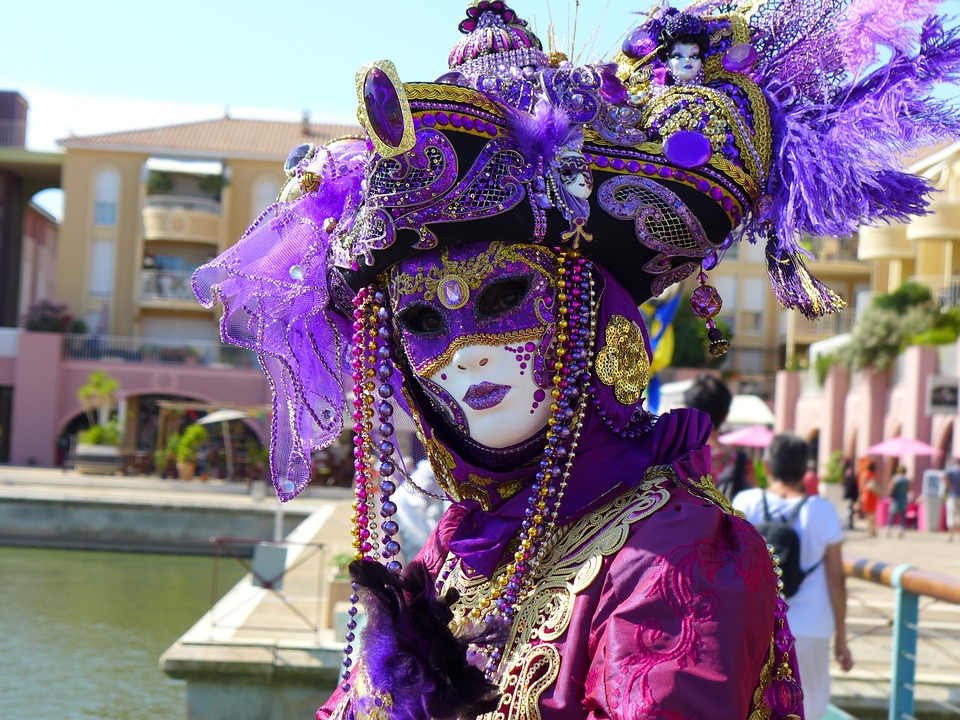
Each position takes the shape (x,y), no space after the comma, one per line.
(688,149)
(649,169)
(633,166)
(382,104)
(739,58)
(611,88)
(429,120)
(617,164)
(452,293)
(600,161)
(638,43)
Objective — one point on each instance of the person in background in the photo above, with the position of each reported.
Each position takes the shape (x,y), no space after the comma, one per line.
(899,493)
(818,609)
(869,495)
(731,467)
(811,483)
(951,490)
(851,491)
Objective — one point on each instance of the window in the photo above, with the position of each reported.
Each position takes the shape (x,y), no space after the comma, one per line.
(264,195)
(106,193)
(101,268)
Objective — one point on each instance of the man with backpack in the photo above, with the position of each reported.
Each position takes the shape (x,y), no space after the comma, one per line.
(806,533)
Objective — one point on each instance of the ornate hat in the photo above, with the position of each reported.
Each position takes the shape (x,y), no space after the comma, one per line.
(785,131)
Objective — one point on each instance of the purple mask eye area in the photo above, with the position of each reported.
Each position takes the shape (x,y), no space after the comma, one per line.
(484,293)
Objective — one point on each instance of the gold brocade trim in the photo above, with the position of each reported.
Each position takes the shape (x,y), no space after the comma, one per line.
(429,367)
(623,363)
(708,488)
(369,703)
(762,711)
(469,273)
(569,565)
(453,93)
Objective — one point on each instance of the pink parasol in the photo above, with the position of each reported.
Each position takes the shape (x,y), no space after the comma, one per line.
(758,436)
(900,446)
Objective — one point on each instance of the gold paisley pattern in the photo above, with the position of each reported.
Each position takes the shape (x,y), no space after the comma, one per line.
(469,273)
(570,564)
(623,363)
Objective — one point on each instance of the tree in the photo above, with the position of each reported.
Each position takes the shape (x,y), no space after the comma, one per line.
(98,394)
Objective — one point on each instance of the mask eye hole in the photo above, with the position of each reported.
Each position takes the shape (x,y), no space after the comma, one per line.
(502,297)
(421,320)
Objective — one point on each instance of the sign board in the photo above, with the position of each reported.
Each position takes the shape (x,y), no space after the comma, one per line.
(943,395)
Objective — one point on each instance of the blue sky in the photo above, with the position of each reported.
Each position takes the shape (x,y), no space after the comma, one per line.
(94,66)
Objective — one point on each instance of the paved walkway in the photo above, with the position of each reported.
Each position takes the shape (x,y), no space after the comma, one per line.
(291,630)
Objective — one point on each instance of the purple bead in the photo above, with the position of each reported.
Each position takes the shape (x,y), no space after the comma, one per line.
(389,509)
(394,567)
(391,548)
(386,429)
(688,149)
(390,527)
(387,468)
(784,696)
(705,301)
(382,104)
(638,43)
(385,410)
(385,391)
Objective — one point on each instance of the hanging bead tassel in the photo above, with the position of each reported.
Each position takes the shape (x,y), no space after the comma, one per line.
(363,351)
(382,348)
(706,302)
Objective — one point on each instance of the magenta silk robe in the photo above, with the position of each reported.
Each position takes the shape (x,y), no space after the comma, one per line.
(658,605)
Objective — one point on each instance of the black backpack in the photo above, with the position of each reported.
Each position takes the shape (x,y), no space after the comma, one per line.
(786,545)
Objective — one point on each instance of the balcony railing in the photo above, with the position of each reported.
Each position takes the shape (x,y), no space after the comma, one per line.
(166,285)
(829,249)
(13,133)
(177,202)
(827,326)
(945,290)
(108,348)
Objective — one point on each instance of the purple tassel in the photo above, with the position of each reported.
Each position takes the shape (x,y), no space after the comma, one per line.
(795,287)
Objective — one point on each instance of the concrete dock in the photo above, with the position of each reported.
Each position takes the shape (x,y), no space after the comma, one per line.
(265,654)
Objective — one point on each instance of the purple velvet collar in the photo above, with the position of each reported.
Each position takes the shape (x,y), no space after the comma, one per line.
(606,465)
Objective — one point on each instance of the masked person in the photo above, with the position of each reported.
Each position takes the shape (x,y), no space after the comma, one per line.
(476,260)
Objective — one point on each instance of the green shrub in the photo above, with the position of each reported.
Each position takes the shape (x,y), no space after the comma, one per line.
(833,473)
(108,434)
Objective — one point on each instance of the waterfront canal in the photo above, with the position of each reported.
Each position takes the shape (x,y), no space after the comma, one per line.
(81,632)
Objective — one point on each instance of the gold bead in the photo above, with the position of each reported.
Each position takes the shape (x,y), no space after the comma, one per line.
(525,544)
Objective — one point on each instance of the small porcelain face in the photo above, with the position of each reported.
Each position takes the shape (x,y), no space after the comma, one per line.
(575,174)
(684,62)
(475,324)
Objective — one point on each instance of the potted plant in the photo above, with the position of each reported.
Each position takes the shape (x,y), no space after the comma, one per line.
(98,447)
(188,447)
(831,482)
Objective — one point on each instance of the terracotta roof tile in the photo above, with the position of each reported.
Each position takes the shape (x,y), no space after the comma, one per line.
(225,137)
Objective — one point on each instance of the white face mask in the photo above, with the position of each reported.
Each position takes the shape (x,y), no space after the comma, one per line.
(684,62)
(494,389)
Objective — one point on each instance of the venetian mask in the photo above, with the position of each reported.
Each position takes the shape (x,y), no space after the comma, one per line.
(475,322)
(575,174)
(684,62)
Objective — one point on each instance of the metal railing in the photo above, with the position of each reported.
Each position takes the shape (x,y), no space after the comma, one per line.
(946,290)
(167,285)
(910,585)
(109,348)
(178,202)
(830,249)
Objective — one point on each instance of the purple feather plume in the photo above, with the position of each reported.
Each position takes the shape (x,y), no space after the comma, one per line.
(410,651)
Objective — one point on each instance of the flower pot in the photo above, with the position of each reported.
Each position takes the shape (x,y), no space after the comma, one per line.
(98,459)
(186,469)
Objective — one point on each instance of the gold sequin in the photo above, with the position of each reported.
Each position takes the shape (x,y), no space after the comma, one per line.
(623,363)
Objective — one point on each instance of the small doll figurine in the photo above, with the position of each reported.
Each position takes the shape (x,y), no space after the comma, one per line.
(683,45)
